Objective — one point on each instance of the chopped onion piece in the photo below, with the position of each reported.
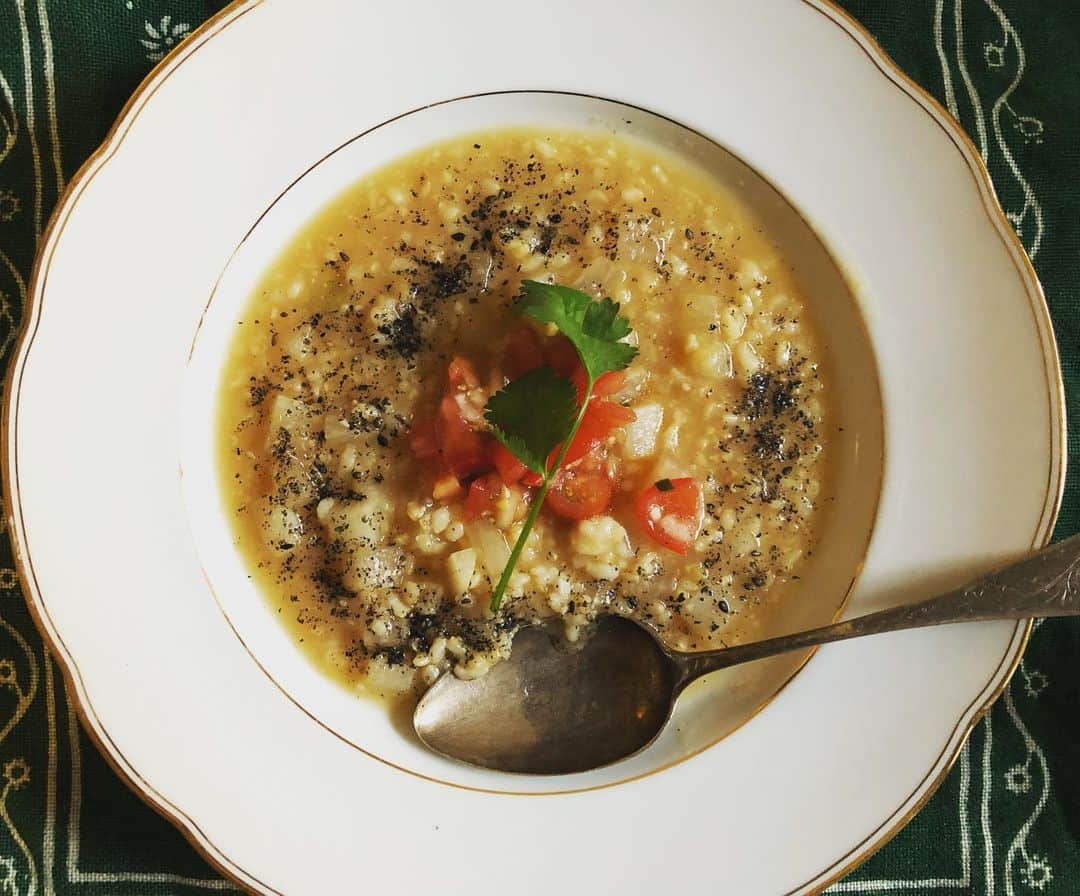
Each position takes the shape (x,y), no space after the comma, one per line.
(641,434)
(491,547)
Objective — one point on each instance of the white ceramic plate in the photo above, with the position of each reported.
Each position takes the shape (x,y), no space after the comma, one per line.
(283,782)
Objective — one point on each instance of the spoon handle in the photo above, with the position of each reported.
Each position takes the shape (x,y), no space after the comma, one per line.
(1046,583)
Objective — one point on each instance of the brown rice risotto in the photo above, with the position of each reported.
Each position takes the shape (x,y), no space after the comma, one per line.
(369,497)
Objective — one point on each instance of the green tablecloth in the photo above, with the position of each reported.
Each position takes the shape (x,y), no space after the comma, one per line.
(1007,820)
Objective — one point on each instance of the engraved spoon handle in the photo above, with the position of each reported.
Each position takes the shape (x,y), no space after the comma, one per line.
(1046,583)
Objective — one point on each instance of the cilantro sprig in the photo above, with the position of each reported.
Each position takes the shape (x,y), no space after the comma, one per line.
(538,411)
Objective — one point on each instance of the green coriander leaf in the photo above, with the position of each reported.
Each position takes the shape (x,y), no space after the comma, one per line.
(602,321)
(531,415)
(594,327)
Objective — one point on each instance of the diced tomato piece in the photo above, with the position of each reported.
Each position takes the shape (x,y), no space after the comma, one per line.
(671,513)
(562,356)
(606,384)
(601,419)
(523,352)
(510,468)
(464,450)
(423,441)
(580,491)
(483,496)
(609,383)
(461,374)
(455,438)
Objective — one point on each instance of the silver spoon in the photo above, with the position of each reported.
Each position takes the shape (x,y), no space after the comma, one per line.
(549,711)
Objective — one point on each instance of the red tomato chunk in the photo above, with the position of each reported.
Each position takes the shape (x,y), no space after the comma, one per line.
(671,513)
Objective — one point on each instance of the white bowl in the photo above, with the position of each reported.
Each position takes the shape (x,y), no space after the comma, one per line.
(713,707)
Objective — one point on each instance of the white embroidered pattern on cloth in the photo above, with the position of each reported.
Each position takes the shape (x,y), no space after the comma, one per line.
(20,678)
(1004,56)
(163,36)
(160,36)
(10,204)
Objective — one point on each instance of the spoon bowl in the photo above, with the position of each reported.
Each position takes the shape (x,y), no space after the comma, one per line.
(548,710)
